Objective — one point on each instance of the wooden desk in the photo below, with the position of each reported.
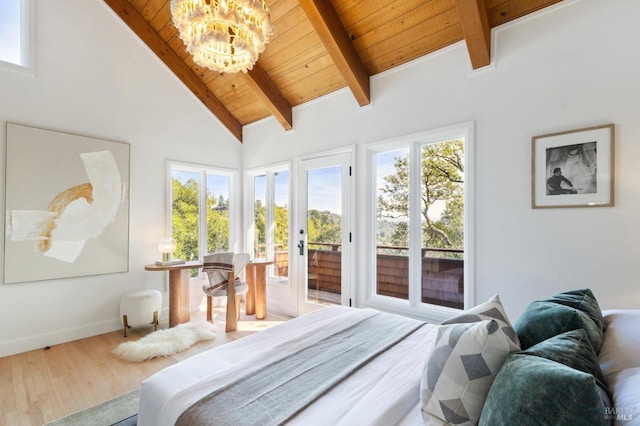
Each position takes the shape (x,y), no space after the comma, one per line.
(179,299)
(257,292)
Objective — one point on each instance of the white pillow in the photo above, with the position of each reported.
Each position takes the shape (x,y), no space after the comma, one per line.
(459,371)
(620,364)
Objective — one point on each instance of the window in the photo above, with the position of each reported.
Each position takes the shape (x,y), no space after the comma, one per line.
(16,34)
(200,210)
(268,236)
(420,227)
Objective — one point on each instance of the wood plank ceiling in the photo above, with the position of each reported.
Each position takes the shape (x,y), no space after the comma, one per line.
(320,46)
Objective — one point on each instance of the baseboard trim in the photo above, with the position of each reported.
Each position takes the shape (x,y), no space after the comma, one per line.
(56,337)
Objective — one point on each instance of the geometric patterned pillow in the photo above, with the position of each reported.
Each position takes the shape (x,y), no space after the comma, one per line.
(491,309)
(459,371)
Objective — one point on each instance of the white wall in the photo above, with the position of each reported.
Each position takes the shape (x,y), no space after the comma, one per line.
(94,77)
(571,66)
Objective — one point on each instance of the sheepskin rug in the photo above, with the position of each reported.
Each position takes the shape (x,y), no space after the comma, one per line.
(165,342)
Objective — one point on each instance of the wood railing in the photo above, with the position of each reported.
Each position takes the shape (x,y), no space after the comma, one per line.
(442,275)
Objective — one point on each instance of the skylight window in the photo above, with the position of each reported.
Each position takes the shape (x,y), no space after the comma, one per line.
(15,33)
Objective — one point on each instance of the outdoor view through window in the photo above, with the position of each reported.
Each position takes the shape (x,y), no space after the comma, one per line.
(195,234)
(440,221)
(271,220)
(11,40)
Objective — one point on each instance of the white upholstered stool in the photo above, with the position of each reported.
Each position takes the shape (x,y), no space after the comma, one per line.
(140,307)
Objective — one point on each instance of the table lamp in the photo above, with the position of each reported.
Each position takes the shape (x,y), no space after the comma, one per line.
(167,247)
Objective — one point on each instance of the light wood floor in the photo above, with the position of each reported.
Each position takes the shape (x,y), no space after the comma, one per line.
(40,386)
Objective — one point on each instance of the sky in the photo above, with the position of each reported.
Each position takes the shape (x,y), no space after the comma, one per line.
(324,192)
(10,31)
(281,188)
(385,166)
(218,184)
(324,189)
(324,184)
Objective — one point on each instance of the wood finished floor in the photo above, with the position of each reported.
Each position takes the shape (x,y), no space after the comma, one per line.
(40,386)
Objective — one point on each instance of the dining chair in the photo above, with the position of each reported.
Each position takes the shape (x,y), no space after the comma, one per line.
(222,268)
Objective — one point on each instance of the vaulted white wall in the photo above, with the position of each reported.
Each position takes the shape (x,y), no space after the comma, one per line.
(94,77)
(571,66)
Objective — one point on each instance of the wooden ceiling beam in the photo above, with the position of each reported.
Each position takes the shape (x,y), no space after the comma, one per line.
(326,22)
(270,96)
(172,60)
(474,20)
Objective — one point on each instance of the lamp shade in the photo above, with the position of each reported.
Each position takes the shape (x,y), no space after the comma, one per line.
(167,245)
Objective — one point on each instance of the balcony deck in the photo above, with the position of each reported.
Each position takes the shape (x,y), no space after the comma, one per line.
(442,274)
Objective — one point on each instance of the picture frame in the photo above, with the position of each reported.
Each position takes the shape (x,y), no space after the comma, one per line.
(66,205)
(574,168)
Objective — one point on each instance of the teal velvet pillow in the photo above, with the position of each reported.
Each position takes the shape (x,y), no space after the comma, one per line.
(530,390)
(584,301)
(543,320)
(572,349)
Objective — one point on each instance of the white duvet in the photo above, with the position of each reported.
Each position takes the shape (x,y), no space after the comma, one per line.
(385,391)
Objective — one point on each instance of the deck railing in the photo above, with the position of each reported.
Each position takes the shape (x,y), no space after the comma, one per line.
(442,272)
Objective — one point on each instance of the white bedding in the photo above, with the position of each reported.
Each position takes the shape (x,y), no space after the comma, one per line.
(383,392)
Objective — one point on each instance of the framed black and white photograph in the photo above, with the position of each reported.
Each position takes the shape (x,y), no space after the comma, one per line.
(573,168)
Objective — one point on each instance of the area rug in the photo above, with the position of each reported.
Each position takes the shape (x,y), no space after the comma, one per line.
(165,342)
(120,411)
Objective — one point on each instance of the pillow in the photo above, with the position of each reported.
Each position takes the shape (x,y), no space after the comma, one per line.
(491,309)
(530,390)
(621,344)
(459,371)
(582,300)
(621,364)
(572,349)
(543,320)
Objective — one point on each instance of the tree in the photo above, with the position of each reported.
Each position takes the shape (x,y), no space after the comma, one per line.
(260,223)
(324,227)
(282,225)
(185,220)
(442,195)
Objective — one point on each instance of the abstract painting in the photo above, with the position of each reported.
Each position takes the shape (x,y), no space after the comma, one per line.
(66,205)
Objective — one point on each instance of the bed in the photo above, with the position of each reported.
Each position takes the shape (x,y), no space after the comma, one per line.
(384,391)
(412,373)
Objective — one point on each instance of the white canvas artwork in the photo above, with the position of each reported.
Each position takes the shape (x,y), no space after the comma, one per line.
(66,204)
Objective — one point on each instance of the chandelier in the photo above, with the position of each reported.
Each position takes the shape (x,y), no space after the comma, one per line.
(223,35)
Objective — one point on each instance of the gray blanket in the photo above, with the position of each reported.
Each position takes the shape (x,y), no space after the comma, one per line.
(279,391)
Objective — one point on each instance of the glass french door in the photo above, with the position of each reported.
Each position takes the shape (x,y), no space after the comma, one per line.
(323,233)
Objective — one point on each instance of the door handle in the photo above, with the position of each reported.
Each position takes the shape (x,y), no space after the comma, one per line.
(301,247)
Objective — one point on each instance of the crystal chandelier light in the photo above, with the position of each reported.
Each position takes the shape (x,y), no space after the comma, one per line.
(223,35)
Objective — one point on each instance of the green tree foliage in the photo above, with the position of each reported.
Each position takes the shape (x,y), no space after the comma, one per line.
(217,223)
(260,221)
(400,236)
(442,192)
(281,228)
(282,225)
(185,220)
(324,227)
